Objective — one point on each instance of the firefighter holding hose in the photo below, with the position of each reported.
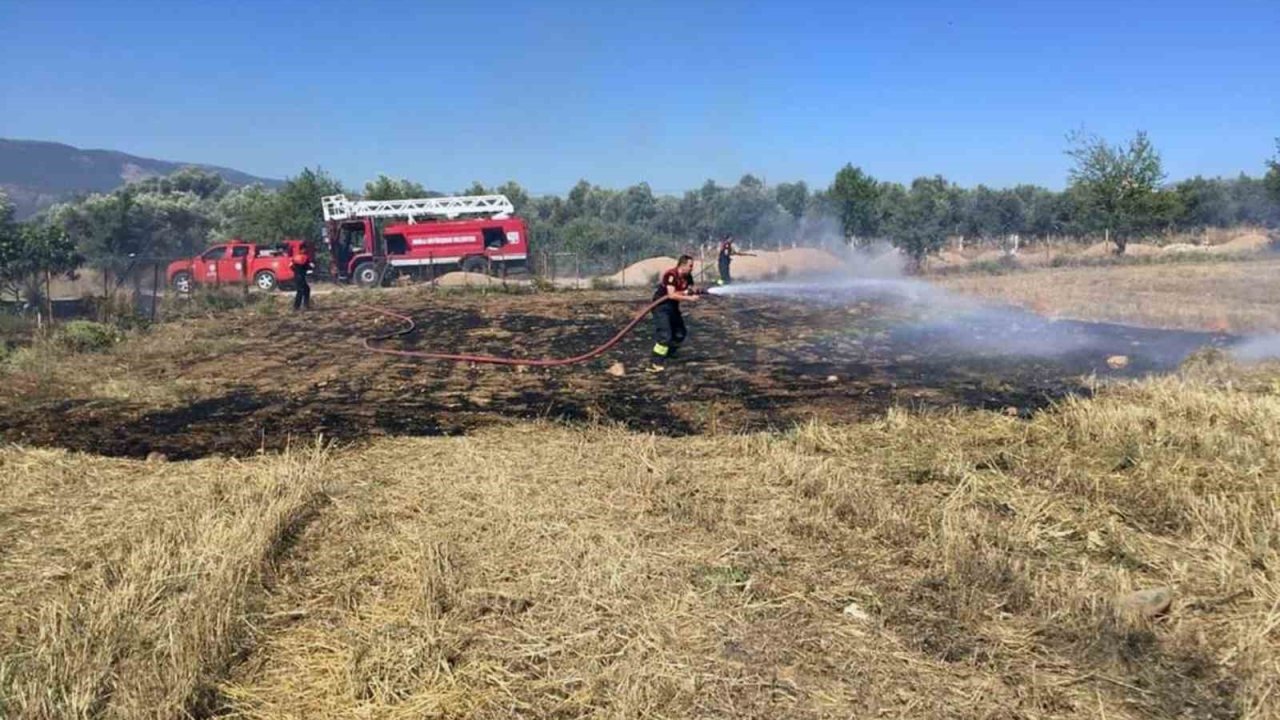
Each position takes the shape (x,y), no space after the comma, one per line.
(676,285)
(728,250)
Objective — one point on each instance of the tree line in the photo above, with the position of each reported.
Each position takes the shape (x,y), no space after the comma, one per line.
(1113,190)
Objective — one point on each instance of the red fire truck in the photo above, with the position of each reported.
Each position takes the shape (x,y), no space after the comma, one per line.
(235,262)
(372,241)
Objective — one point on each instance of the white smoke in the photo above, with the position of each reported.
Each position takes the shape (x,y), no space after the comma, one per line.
(1255,349)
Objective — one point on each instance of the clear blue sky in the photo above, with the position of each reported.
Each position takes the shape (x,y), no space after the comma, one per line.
(669,93)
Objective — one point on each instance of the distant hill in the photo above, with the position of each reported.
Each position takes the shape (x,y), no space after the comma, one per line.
(37,174)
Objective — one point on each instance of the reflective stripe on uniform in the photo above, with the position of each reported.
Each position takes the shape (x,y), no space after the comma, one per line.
(661,349)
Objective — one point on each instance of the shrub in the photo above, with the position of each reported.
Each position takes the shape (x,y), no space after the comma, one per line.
(603,283)
(87,336)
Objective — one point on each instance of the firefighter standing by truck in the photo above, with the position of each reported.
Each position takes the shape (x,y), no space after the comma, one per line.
(676,285)
(301,262)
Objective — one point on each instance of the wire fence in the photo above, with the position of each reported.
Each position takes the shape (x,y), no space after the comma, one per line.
(144,285)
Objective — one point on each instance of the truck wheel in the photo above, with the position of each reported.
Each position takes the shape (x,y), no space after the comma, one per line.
(182,281)
(366,275)
(265,280)
(475,264)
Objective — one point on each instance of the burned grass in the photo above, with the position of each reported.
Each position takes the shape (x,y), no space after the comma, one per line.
(243,382)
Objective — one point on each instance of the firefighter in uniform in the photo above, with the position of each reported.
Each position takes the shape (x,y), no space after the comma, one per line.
(727,251)
(676,285)
(301,262)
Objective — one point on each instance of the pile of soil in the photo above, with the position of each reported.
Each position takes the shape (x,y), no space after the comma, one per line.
(467,279)
(1099,249)
(1141,250)
(990,256)
(641,273)
(1185,248)
(1245,242)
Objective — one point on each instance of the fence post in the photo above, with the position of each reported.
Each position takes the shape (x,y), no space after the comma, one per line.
(48,295)
(155,289)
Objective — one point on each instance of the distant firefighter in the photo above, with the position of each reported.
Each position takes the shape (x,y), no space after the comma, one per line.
(302,264)
(727,251)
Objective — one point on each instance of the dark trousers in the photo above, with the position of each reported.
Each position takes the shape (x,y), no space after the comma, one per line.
(302,290)
(724,270)
(668,331)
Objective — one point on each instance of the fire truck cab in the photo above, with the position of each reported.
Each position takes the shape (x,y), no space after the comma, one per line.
(373,241)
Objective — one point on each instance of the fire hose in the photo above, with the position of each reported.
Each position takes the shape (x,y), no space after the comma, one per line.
(410,326)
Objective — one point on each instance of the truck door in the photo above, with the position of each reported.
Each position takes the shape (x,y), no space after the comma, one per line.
(205,268)
(234,265)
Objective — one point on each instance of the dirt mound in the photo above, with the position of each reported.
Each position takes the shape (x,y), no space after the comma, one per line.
(1141,250)
(466,279)
(761,264)
(647,268)
(645,272)
(1184,248)
(1244,242)
(990,256)
(1099,249)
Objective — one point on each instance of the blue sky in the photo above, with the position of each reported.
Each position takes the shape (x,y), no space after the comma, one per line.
(669,93)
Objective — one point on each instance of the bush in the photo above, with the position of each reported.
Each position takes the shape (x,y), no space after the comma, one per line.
(603,283)
(87,336)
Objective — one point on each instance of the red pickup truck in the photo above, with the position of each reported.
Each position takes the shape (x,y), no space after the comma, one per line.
(236,262)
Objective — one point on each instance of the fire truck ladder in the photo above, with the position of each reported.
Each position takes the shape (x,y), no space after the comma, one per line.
(338,207)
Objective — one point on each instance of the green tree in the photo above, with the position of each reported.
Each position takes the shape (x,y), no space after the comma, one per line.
(248,213)
(477,188)
(173,224)
(1118,187)
(855,196)
(11,250)
(110,230)
(201,183)
(1272,178)
(47,251)
(298,213)
(746,211)
(922,217)
(793,197)
(30,250)
(519,198)
(387,188)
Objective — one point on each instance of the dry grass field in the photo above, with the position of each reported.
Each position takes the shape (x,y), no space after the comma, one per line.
(1238,297)
(1108,554)
(959,564)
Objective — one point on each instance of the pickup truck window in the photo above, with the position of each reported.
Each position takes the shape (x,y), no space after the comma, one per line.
(215,253)
(240,251)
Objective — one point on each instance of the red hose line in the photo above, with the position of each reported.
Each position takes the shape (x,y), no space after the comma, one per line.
(492,359)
